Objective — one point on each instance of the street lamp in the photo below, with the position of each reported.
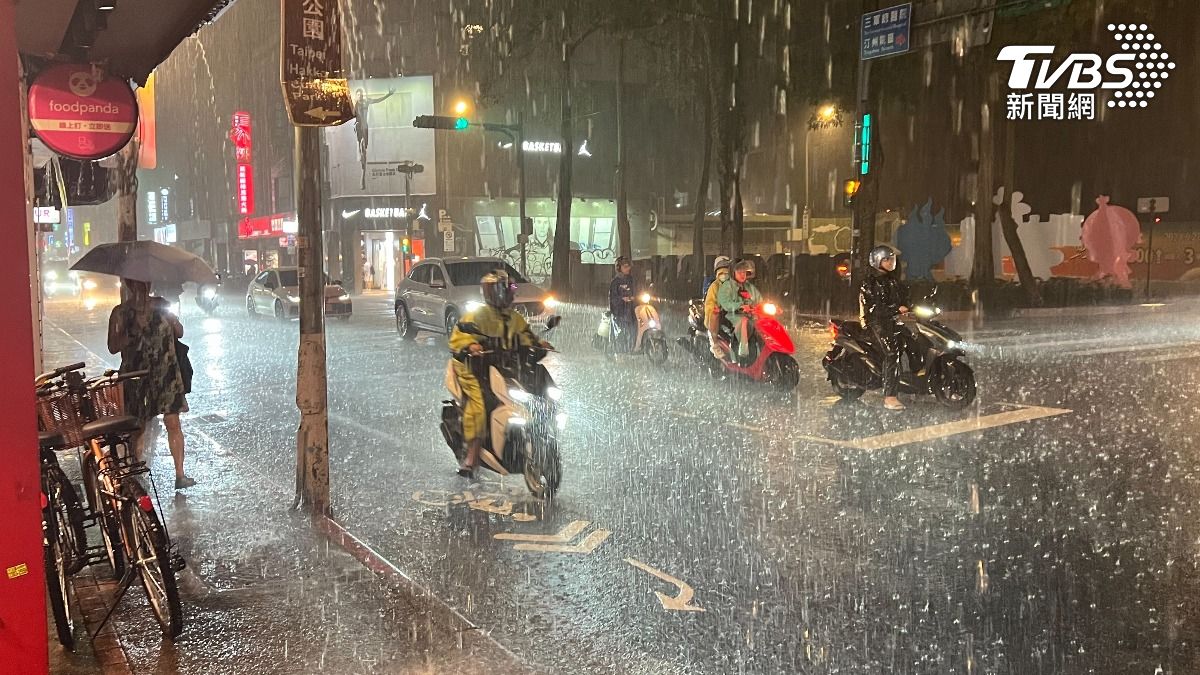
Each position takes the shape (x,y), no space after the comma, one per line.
(461,107)
(827,116)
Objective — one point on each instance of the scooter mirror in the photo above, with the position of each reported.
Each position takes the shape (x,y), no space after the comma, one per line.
(553,322)
(470,328)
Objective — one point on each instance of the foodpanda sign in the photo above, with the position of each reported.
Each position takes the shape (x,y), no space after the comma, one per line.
(1132,76)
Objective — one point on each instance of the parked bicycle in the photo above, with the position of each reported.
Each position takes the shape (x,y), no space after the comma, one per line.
(90,414)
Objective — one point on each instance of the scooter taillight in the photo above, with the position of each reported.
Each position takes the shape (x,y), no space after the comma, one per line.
(833,331)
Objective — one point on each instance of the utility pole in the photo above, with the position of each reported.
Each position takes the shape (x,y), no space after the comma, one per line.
(312,395)
(127,192)
(526,229)
(316,94)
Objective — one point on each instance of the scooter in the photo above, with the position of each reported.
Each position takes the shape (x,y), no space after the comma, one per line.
(770,359)
(522,404)
(208,297)
(854,361)
(649,340)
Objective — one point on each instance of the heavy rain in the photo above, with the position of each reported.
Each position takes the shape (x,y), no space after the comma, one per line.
(563,336)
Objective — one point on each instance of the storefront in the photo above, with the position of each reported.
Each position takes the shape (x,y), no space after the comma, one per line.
(376,239)
(195,236)
(267,242)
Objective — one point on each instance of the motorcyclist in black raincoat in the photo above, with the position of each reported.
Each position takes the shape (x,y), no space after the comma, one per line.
(621,303)
(882,299)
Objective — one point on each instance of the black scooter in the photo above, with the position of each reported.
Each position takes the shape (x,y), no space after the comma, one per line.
(208,297)
(853,363)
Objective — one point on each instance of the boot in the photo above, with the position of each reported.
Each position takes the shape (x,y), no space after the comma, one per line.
(467,468)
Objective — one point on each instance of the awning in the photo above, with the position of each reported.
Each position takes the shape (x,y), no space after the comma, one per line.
(132,38)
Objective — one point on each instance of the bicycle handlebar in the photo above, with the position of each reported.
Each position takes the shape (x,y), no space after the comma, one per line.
(59,371)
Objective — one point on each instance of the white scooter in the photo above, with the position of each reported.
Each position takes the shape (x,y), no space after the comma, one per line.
(650,338)
(524,420)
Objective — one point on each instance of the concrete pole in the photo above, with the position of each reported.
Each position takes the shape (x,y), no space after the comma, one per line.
(23,647)
(523,237)
(312,396)
(127,191)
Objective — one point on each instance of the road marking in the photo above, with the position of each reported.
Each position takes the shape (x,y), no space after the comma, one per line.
(929,433)
(1168,357)
(572,530)
(495,503)
(1130,348)
(557,543)
(679,603)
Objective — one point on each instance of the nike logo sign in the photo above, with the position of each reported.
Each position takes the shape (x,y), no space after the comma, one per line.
(351,214)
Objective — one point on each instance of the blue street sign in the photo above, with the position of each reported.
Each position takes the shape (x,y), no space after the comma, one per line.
(886,32)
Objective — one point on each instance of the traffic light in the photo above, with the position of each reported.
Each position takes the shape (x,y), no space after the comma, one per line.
(864,144)
(406,246)
(849,190)
(441,122)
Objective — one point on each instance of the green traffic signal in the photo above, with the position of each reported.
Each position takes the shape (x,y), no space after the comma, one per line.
(461,123)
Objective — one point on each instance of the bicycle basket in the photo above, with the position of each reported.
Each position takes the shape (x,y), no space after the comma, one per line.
(109,400)
(59,412)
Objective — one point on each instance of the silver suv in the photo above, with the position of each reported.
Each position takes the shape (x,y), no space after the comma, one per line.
(440,290)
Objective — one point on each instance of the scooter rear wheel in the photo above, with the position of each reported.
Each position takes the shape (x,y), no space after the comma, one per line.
(656,351)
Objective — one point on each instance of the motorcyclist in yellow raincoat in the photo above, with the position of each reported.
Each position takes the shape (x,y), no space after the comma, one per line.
(497,320)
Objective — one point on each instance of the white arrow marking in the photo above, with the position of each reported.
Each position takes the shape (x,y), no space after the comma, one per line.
(679,603)
(589,544)
(321,113)
(564,535)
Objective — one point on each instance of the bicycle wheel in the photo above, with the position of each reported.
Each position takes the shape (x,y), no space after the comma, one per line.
(151,556)
(106,518)
(58,581)
(68,515)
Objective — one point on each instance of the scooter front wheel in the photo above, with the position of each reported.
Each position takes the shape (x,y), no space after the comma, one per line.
(543,470)
(782,372)
(656,351)
(955,386)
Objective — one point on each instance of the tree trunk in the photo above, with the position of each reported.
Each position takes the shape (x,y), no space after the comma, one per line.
(560,277)
(737,241)
(624,235)
(1008,224)
(983,271)
(125,175)
(699,215)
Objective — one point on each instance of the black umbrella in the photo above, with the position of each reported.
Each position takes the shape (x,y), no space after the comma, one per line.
(147,261)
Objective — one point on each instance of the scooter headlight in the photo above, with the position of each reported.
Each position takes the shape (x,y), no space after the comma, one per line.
(652,323)
(473,305)
(554,393)
(550,302)
(561,420)
(210,293)
(519,395)
(645,298)
(770,309)
(517,420)
(89,285)
(924,312)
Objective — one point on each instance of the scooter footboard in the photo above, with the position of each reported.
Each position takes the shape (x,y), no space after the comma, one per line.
(452,426)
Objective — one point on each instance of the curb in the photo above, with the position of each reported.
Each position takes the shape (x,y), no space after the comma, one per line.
(393,576)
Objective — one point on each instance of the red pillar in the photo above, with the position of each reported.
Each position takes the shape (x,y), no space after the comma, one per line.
(23,647)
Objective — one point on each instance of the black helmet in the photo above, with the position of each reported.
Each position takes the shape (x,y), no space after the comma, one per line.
(880,253)
(744,265)
(622,260)
(497,289)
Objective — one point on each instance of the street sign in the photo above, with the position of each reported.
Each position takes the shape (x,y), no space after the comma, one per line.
(448,241)
(1153,204)
(45,215)
(79,112)
(314,89)
(886,32)
(965,24)
(445,224)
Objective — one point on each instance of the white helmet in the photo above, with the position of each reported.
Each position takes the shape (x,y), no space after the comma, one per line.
(721,261)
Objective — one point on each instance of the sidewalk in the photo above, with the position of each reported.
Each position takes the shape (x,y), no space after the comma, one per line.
(264,590)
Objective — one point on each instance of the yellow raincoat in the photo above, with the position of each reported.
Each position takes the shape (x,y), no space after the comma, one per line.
(508,325)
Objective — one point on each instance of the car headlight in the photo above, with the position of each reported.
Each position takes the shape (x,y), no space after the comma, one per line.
(344,297)
(519,395)
(550,302)
(554,393)
(210,293)
(924,312)
(89,285)
(561,420)
(645,298)
(770,309)
(293,299)
(473,305)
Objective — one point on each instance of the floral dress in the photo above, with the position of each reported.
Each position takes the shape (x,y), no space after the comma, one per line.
(150,348)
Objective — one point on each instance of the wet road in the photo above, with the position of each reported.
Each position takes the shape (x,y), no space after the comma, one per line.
(706,528)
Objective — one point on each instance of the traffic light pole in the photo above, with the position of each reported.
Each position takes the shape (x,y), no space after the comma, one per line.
(524,236)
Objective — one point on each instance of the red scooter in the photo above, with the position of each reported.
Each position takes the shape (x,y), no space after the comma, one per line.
(770,359)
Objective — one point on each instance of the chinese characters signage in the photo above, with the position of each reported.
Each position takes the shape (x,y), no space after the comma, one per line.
(243,152)
(314,88)
(80,113)
(886,32)
(267,226)
(1131,78)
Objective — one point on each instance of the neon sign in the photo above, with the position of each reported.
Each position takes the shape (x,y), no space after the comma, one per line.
(239,133)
